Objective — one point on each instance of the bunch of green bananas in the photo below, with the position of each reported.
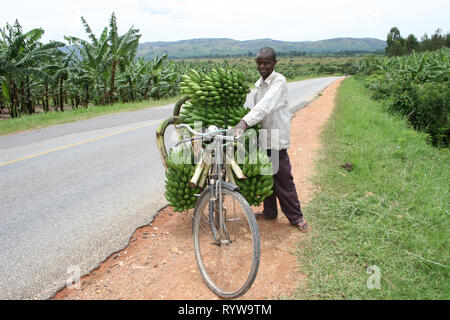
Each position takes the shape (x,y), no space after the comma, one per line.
(178,192)
(192,113)
(216,98)
(259,182)
(220,87)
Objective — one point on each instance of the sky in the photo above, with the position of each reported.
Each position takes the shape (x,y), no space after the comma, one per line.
(287,20)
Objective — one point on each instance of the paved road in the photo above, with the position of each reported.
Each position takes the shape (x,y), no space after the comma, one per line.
(72,194)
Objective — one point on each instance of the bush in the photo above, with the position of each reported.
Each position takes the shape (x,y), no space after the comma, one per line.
(378,85)
(415,86)
(350,68)
(327,69)
(426,106)
(432,112)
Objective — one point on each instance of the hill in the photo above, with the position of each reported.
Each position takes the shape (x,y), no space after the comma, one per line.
(214,47)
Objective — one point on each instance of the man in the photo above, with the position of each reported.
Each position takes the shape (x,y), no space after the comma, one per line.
(272,110)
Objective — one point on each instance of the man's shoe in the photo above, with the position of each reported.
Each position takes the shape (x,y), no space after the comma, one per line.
(302,226)
(263,216)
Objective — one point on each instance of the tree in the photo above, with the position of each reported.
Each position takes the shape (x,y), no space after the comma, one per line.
(395,43)
(130,81)
(21,55)
(62,74)
(411,44)
(122,51)
(425,43)
(92,65)
(437,40)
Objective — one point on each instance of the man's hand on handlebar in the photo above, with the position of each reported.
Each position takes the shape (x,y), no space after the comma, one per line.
(240,128)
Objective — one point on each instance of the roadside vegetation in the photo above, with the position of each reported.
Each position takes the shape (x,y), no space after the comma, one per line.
(381,207)
(416,86)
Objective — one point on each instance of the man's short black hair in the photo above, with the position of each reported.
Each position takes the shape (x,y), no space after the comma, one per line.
(270,51)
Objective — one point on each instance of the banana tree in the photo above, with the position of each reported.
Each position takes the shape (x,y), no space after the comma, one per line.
(165,82)
(62,69)
(20,57)
(122,51)
(129,81)
(91,64)
(161,78)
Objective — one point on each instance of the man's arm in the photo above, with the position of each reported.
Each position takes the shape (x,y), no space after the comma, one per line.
(269,103)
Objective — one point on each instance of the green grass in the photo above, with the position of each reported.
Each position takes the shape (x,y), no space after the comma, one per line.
(390,211)
(41,120)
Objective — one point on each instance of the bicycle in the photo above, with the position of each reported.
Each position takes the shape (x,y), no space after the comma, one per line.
(225,232)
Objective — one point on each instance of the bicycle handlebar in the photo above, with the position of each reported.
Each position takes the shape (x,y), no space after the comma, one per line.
(222,137)
(190,129)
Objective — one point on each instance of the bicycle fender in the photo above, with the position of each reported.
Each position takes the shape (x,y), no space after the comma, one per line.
(230,186)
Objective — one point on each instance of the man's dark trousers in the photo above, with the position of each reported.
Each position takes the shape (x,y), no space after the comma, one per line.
(283,189)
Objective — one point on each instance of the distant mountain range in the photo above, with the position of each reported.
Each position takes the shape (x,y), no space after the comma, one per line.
(215,47)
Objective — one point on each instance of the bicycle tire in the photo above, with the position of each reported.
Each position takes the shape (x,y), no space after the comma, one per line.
(202,249)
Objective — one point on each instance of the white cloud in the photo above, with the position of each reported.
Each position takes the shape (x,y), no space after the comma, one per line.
(155,7)
(293,20)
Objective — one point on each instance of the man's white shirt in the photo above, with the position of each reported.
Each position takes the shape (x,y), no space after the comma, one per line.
(271,108)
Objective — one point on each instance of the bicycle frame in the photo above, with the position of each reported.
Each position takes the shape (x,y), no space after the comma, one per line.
(215,182)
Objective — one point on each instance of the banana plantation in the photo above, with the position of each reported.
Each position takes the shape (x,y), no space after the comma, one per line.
(38,76)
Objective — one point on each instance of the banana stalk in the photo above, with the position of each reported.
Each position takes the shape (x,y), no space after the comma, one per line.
(176,109)
(197,173)
(160,131)
(230,175)
(160,142)
(236,169)
(204,175)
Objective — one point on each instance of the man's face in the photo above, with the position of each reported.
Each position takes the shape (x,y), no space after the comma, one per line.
(265,64)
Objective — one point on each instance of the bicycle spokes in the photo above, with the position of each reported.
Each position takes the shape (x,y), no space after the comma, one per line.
(226,252)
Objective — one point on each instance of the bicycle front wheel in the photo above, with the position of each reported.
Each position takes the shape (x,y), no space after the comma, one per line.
(227,256)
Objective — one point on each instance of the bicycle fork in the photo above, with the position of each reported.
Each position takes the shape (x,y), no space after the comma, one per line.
(216,215)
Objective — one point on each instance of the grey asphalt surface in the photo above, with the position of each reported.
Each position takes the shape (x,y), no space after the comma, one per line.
(87,187)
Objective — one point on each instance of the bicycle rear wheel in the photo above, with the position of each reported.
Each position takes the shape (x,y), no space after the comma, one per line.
(229,266)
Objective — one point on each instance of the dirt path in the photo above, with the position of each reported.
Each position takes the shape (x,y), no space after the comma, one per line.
(159,263)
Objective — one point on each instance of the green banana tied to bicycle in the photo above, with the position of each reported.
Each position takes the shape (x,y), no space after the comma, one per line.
(215,99)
